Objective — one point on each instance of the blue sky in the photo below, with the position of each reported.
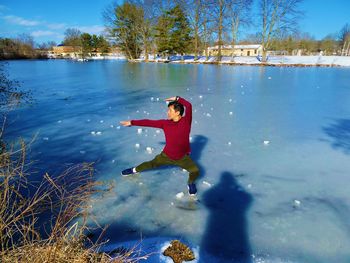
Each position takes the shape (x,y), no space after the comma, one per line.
(47,20)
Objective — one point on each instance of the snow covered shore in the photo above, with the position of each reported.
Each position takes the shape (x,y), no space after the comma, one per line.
(301,61)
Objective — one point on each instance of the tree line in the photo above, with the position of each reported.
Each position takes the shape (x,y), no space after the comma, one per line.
(85,43)
(24,46)
(161,27)
(305,44)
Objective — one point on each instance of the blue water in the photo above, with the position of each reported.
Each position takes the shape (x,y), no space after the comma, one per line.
(272,144)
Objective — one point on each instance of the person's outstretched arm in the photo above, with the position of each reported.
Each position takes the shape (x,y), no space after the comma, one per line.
(144,123)
(187,104)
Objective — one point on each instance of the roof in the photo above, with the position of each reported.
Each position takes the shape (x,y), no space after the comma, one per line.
(254,46)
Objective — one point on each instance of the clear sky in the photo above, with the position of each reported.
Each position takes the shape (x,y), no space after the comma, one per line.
(47,19)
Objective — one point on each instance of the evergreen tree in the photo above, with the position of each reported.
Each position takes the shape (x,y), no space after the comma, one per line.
(163,40)
(95,41)
(72,37)
(86,44)
(173,32)
(102,45)
(180,32)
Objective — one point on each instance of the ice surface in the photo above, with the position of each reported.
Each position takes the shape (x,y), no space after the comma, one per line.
(251,201)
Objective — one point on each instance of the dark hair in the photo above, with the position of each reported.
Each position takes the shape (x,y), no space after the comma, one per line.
(177,106)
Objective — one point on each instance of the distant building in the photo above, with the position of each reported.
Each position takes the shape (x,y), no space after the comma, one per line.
(277,53)
(66,51)
(51,54)
(61,51)
(237,50)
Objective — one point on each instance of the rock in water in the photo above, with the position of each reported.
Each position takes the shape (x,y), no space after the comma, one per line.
(179,252)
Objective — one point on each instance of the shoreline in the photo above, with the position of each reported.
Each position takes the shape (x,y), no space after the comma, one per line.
(244,64)
(276,61)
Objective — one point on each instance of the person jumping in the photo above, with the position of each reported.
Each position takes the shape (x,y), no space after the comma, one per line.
(177,130)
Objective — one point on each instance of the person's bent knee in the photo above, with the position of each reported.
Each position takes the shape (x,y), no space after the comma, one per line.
(194,170)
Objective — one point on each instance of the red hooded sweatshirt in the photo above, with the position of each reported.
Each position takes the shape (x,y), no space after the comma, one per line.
(177,134)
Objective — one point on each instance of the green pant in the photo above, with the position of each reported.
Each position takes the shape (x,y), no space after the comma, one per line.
(162,159)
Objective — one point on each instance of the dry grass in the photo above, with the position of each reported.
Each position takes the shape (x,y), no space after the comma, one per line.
(64,197)
(179,252)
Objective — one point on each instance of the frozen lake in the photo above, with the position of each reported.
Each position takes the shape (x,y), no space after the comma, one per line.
(273,146)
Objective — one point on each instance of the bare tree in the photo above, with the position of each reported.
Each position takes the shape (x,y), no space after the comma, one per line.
(227,14)
(238,16)
(47,45)
(202,17)
(151,11)
(277,16)
(344,37)
(195,12)
(72,37)
(220,13)
(26,45)
(251,39)
(206,36)
(123,24)
(328,45)
(196,26)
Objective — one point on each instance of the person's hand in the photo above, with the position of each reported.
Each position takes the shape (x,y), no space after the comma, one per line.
(171,99)
(125,123)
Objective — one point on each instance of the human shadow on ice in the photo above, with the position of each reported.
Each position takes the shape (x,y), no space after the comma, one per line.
(340,134)
(226,235)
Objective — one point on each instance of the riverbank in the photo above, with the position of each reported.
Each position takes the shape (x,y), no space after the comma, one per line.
(275,61)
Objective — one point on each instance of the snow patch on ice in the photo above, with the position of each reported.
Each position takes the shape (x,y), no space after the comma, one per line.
(180,195)
(149,150)
(207,183)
